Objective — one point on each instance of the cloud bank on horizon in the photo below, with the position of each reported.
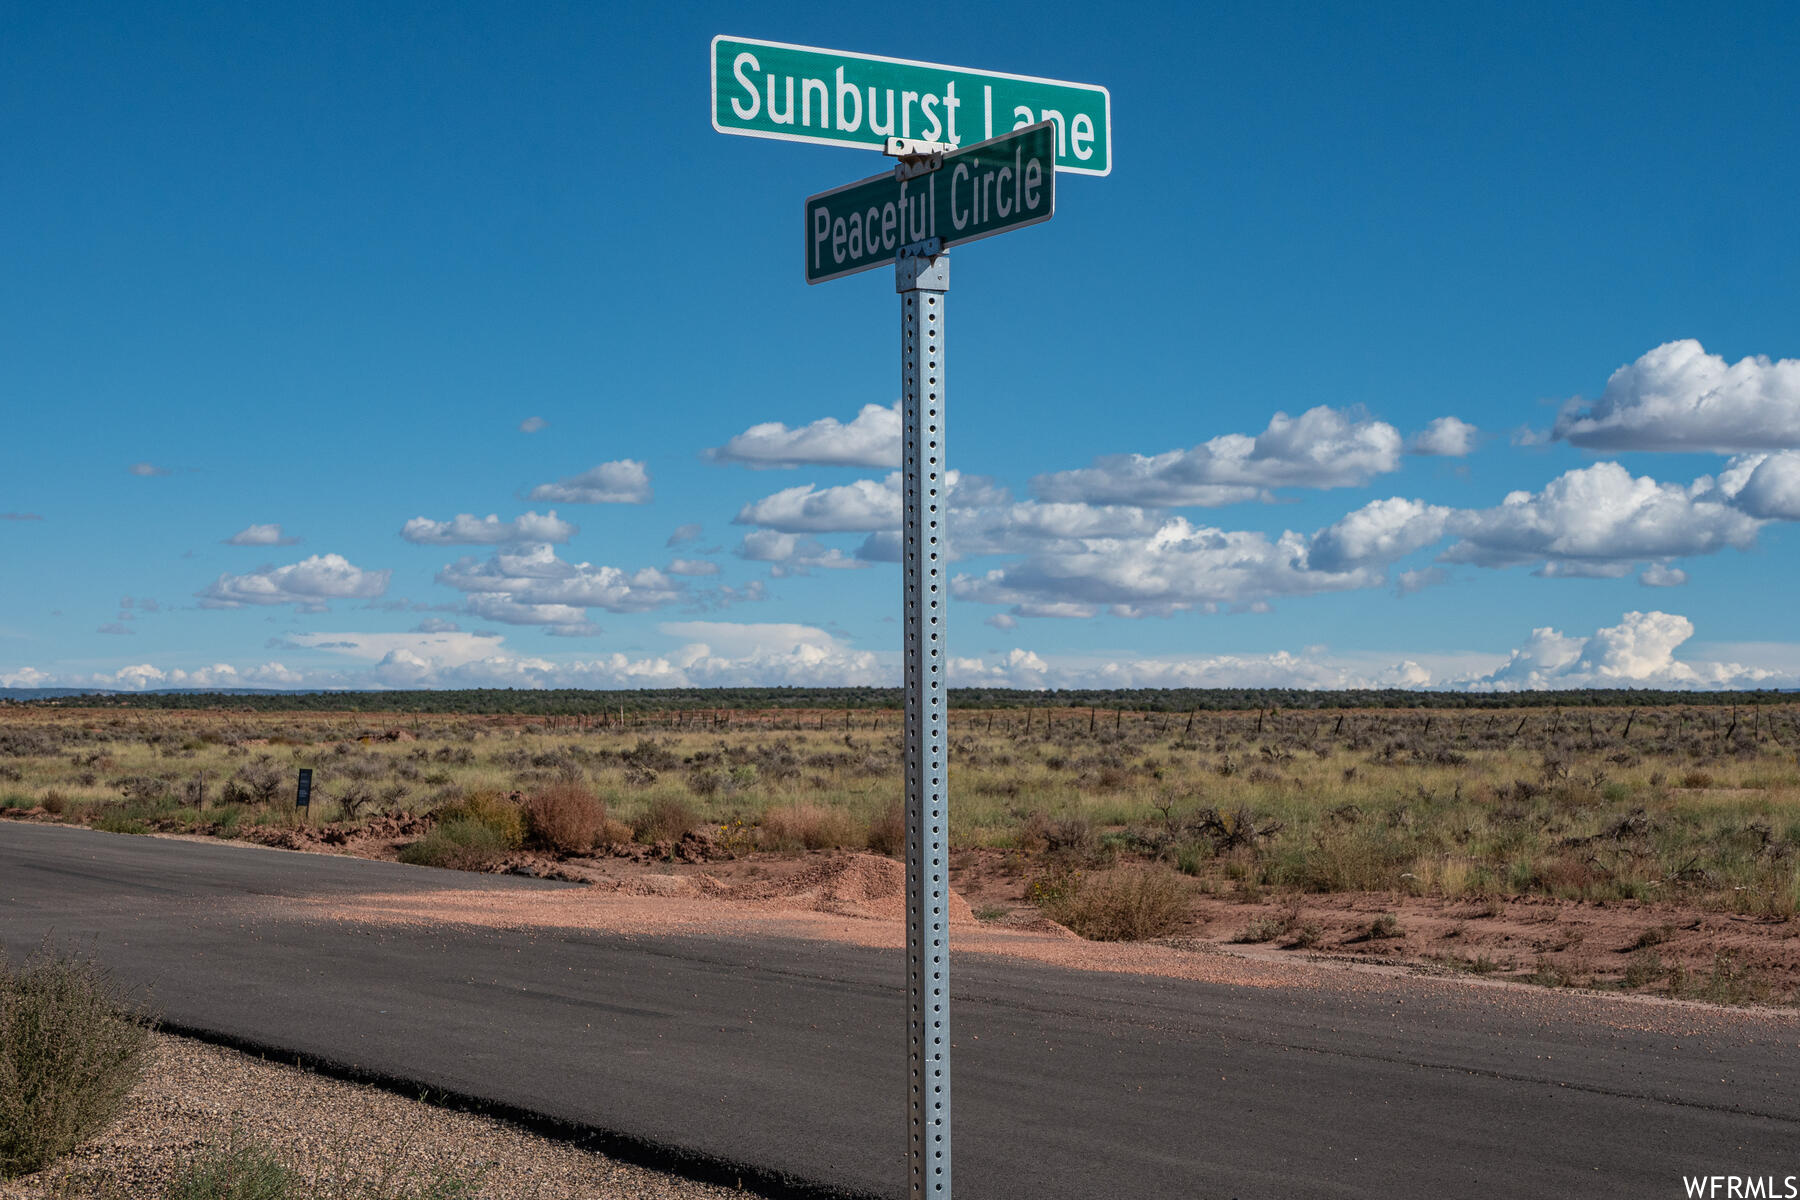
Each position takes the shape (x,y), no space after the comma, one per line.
(1638,652)
(1114,540)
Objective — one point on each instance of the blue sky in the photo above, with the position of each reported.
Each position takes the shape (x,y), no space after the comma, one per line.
(1433,345)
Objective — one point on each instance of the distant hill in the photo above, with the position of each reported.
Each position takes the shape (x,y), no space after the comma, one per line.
(64,693)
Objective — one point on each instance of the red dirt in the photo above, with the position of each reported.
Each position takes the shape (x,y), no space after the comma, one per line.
(682,888)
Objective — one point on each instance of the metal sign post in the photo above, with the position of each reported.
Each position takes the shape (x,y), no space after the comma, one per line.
(922,279)
(943,192)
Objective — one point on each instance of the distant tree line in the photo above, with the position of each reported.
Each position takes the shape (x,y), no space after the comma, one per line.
(583,702)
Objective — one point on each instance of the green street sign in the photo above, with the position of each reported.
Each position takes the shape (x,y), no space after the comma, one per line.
(1004,183)
(804,94)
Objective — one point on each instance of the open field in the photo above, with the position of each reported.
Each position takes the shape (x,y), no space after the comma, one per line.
(1655,849)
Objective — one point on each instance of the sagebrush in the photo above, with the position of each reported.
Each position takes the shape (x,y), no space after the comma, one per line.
(71,1050)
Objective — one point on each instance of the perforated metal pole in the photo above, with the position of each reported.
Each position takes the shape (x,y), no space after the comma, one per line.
(922,282)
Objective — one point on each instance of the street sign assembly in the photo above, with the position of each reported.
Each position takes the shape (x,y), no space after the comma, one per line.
(805,94)
(941,193)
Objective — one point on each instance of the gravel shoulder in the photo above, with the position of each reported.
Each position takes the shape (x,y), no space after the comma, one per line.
(194,1095)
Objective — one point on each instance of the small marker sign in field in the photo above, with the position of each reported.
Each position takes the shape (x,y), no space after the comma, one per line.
(303,789)
(1006,183)
(837,98)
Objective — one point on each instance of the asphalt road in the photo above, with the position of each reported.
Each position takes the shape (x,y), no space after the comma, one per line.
(787,1058)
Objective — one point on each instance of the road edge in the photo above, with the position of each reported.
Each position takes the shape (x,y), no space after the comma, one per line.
(688,1163)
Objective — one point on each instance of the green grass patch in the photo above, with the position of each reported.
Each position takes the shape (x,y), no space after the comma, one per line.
(460,845)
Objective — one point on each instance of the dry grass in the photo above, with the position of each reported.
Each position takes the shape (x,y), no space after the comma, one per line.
(1123,904)
(666,819)
(564,817)
(1691,807)
(809,827)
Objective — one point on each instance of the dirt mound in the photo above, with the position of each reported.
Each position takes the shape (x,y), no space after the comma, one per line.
(1036,922)
(851,885)
(660,885)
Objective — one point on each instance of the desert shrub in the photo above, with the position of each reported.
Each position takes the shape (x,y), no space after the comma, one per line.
(1644,967)
(491,809)
(144,789)
(1073,836)
(651,755)
(1730,982)
(564,817)
(70,1053)
(887,832)
(352,795)
(1546,973)
(1124,904)
(118,822)
(665,820)
(806,827)
(240,1169)
(1387,925)
(54,802)
(260,779)
(462,844)
(1263,929)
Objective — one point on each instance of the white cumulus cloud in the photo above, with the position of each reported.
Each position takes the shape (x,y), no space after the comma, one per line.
(261,535)
(870,439)
(1445,437)
(626,481)
(1765,485)
(1599,517)
(1321,448)
(1178,567)
(860,506)
(1378,533)
(1679,397)
(534,587)
(466,529)
(794,552)
(1637,652)
(308,585)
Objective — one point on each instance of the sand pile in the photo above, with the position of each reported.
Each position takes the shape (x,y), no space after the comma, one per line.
(850,885)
